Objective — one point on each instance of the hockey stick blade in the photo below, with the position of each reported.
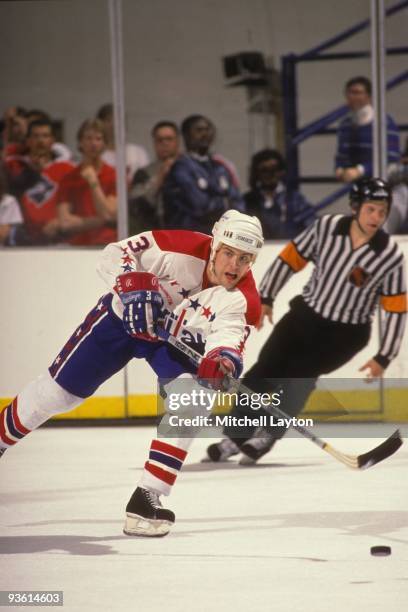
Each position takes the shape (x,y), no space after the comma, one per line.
(381,452)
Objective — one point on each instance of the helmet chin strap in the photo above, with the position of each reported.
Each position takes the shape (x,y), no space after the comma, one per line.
(357,220)
(359,224)
(212,266)
(213,254)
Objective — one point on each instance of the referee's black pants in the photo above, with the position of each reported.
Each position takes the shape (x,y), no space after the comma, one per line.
(303,345)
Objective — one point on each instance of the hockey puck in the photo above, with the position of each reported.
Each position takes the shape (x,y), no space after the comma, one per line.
(380,551)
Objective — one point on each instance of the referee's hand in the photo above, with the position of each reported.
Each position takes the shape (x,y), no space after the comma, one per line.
(374,370)
(266,311)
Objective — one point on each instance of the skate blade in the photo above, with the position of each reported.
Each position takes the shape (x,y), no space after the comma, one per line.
(246,460)
(222,459)
(207,459)
(136,525)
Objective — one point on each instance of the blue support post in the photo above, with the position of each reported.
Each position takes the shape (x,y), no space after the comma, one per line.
(289,90)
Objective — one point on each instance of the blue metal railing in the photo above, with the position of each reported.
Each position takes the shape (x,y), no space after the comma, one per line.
(295,135)
(312,128)
(349,32)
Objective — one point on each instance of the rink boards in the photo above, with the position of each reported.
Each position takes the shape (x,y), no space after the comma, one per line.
(47,293)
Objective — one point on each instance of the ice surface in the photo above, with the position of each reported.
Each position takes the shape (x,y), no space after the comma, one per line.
(291,535)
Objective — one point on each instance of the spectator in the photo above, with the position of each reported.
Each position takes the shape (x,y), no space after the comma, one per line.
(397,222)
(15,137)
(354,156)
(87,202)
(11,218)
(199,187)
(59,149)
(34,179)
(136,156)
(269,200)
(14,128)
(145,196)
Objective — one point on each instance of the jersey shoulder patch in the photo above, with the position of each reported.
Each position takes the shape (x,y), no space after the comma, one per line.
(184,242)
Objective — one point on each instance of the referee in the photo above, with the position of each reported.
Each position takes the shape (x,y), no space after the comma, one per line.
(357,266)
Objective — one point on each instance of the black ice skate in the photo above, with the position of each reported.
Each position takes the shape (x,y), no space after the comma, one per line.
(221,451)
(256,447)
(145,515)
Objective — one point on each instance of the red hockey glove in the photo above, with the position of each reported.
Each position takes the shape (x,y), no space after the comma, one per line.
(139,293)
(217,365)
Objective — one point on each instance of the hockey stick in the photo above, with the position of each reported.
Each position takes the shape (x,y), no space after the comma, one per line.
(357,462)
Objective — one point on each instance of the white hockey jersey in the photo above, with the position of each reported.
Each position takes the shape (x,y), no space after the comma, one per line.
(202,316)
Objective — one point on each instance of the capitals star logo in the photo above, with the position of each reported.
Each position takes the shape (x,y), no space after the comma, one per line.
(194,304)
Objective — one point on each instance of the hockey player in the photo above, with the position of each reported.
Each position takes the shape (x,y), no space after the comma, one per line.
(205,292)
(357,266)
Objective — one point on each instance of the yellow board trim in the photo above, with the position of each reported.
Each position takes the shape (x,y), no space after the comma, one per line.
(322,405)
(361,405)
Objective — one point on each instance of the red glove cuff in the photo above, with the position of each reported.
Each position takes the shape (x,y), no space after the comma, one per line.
(226,352)
(137,281)
(218,363)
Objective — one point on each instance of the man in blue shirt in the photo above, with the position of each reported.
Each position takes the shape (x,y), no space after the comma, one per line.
(200,186)
(354,155)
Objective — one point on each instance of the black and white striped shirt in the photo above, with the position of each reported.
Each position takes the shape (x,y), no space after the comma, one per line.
(346,283)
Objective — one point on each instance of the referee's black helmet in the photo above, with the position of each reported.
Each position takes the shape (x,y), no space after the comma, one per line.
(370,190)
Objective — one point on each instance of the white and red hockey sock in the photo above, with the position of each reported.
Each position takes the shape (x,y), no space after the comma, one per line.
(164,463)
(11,428)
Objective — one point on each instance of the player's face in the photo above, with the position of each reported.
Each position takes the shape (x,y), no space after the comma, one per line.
(357,97)
(92,144)
(230,265)
(166,143)
(372,216)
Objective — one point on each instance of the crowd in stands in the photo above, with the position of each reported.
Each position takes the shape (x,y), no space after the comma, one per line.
(50,196)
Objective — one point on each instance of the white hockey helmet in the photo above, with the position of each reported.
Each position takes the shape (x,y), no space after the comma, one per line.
(239,231)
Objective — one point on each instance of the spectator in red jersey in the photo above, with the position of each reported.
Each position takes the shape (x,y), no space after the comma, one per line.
(16,122)
(34,179)
(87,203)
(59,149)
